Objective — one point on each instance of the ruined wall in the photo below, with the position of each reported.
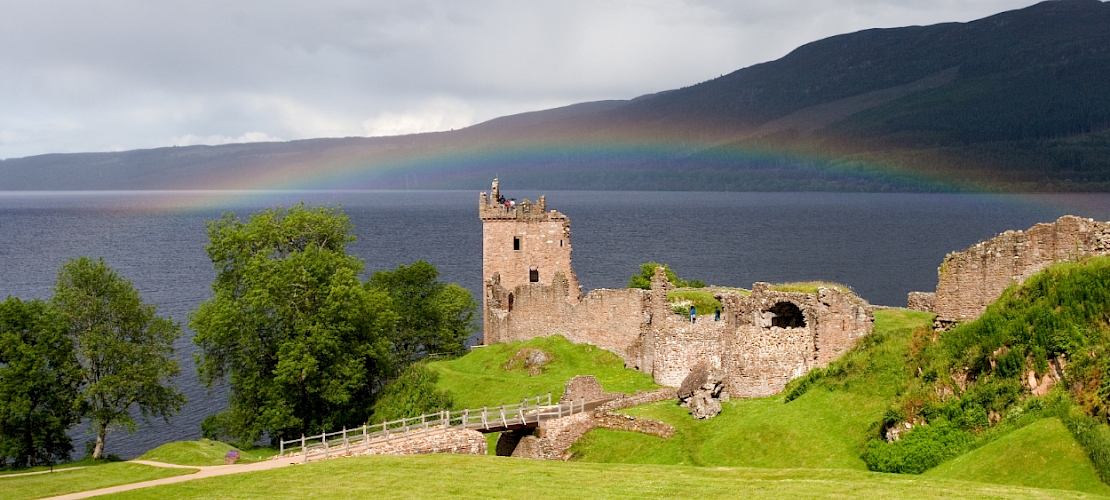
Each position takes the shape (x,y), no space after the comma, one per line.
(970,280)
(764,354)
(920,301)
(519,240)
(609,319)
(679,345)
(757,346)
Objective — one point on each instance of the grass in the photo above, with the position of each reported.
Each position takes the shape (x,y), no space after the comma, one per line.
(480,378)
(90,478)
(1042,454)
(203,452)
(703,300)
(822,429)
(826,426)
(808,286)
(457,476)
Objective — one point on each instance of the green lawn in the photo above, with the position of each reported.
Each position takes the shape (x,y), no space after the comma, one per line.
(203,452)
(89,478)
(1041,454)
(808,286)
(481,378)
(455,476)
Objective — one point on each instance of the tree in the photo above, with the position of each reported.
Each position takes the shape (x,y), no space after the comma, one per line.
(39,382)
(301,342)
(412,393)
(647,270)
(433,317)
(124,347)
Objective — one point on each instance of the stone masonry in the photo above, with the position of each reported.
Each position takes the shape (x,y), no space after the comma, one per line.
(524,244)
(968,281)
(763,340)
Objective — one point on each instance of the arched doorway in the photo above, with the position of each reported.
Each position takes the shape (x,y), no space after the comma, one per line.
(787,315)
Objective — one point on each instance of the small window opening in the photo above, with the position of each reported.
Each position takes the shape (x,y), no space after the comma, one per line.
(787,315)
(510,301)
(534,275)
(516,243)
(560,242)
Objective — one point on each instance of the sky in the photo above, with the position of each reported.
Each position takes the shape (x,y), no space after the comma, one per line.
(107,75)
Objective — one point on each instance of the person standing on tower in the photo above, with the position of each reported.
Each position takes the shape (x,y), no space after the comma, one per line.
(693,314)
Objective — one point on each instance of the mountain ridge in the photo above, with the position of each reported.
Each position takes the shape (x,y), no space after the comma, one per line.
(1017,101)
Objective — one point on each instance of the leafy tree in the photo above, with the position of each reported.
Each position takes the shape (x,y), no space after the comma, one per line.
(647,270)
(299,339)
(39,380)
(124,347)
(412,393)
(433,317)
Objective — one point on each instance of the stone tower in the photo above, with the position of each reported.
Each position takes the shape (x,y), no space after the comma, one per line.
(521,245)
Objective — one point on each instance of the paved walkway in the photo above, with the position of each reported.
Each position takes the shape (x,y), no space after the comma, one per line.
(202,472)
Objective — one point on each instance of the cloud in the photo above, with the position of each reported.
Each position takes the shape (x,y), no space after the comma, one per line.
(130,73)
(214,140)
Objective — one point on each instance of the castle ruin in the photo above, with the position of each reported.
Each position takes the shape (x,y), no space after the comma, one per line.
(969,281)
(764,339)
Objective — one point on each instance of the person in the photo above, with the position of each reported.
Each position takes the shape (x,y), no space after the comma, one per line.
(693,314)
(512,202)
(717,314)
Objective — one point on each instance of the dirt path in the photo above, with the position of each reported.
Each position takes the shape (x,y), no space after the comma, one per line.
(203,472)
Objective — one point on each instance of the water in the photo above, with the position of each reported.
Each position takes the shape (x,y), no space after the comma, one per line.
(882,245)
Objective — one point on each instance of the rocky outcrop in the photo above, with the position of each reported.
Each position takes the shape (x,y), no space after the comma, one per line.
(701,392)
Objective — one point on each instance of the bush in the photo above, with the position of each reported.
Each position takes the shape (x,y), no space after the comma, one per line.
(413,393)
(922,448)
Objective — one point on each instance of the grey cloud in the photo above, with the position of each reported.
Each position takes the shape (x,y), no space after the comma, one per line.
(87,76)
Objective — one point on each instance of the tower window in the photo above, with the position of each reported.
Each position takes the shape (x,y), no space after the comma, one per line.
(516,243)
(534,275)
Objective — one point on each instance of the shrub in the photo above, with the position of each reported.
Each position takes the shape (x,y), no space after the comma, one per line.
(411,394)
(920,449)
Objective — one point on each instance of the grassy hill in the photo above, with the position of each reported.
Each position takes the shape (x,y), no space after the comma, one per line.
(496,374)
(824,427)
(1039,454)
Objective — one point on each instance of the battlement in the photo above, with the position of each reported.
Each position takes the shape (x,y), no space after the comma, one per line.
(494,207)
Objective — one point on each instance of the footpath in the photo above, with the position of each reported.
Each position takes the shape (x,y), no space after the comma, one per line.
(202,472)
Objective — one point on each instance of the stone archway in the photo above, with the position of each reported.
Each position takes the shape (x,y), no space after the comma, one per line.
(787,315)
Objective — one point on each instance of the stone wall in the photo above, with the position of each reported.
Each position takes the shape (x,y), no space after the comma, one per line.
(764,339)
(519,240)
(765,353)
(920,301)
(679,345)
(464,442)
(970,280)
(609,319)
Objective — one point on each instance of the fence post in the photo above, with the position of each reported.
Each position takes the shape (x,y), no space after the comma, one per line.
(386,431)
(281,448)
(503,422)
(484,424)
(549,399)
(346,443)
(324,439)
(303,449)
(424,422)
(465,417)
(365,438)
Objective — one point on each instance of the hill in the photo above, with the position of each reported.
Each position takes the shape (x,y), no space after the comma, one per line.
(1017,101)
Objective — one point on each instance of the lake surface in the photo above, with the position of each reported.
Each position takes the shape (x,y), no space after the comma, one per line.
(882,245)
